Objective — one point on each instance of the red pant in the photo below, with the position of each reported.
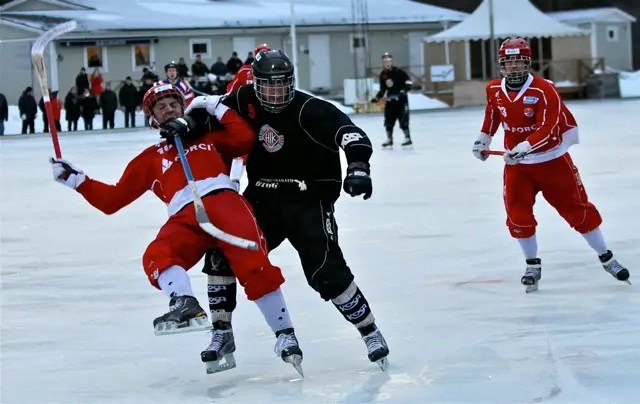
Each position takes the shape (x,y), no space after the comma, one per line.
(182,242)
(560,184)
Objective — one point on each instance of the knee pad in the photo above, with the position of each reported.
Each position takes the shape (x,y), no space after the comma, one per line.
(330,282)
(260,283)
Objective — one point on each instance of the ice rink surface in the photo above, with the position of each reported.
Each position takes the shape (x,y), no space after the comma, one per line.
(430,250)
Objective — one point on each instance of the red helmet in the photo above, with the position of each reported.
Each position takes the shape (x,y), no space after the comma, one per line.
(515,60)
(260,48)
(155,94)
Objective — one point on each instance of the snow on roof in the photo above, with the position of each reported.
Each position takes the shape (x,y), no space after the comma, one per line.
(510,18)
(602,14)
(185,14)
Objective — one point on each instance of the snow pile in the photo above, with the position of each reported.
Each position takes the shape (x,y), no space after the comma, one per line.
(420,102)
(629,84)
(14,125)
(341,107)
(566,83)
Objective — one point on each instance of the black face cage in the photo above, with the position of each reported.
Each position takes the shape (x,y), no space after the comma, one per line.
(274,93)
(515,76)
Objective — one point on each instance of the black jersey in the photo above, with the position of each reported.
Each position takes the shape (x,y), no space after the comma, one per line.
(297,152)
(393,82)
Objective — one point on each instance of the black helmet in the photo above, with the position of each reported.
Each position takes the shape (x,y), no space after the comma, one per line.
(273,80)
(170,65)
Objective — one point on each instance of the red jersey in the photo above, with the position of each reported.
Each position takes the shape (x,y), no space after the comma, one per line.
(536,114)
(158,168)
(244,76)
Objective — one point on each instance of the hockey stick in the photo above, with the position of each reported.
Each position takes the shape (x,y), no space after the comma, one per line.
(201,213)
(37,57)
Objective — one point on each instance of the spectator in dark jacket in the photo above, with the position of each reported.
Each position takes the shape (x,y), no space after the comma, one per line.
(108,105)
(249,59)
(183,69)
(129,100)
(4,113)
(148,74)
(88,106)
(28,111)
(219,68)
(72,109)
(198,68)
(82,81)
(234,63)
(143,90)
(45,121)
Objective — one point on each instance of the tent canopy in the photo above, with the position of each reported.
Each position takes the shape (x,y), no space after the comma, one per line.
(510,18)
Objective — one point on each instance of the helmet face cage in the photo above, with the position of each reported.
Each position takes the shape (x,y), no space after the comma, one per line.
(275,91)
(168,111)
(387,61)
(515,60)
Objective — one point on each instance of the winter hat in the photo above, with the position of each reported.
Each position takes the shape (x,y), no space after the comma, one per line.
(28,90)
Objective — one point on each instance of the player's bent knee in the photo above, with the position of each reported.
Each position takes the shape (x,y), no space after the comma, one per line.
(521,232)
(582,225)
(330,282)
(262,282)
(155,260)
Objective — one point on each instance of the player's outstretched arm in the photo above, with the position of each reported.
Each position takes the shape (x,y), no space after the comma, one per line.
(109,199)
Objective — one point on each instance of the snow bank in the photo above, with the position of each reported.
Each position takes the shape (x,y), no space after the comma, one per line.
(420,102)
(629,84)
(14,125)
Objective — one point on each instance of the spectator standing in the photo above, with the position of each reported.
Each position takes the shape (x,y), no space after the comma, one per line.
(108,105)
(129,98)
(88,107)
(72,109)
(28,111)
(4,112)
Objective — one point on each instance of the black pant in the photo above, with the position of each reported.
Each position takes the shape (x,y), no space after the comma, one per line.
(72,125)
(396,110)
(130,114)
(88,122)
(311,229)
(29,124)
(108,117)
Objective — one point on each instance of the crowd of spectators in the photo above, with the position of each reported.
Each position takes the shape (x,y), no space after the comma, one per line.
(92,95)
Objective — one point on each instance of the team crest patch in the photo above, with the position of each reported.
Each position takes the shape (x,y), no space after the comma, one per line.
(271,140)
(528,112)
(530,100)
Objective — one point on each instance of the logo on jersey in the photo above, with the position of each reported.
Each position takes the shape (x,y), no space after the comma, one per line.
(528,112)
(350,138)
(530,100)
(166,164)
(389,83)
(271,140)
(503,111)
(519,129)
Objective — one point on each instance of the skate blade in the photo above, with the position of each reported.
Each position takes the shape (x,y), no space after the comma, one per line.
(628,282)
(383,363)
(531,288)
(195,325)
(296,361)
(227,362)
(408,147)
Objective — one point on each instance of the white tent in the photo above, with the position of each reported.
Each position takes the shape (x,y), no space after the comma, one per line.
(510,18)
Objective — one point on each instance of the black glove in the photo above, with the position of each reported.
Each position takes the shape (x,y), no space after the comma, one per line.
(179,127)
(358,181)
(374,100)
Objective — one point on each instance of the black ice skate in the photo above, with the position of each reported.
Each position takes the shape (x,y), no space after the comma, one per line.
(388,144)
(612,266)
(288,349)
(218,356)
(407,142)
(377,349)
(185,315)
(532,275)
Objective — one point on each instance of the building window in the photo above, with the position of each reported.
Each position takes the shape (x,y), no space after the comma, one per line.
(358,42)
(95,57)
(200,46)
(612,34)
(142,56)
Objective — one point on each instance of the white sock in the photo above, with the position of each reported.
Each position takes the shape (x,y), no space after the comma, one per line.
(595,238)
(174,281)
(529,247)
(274,310)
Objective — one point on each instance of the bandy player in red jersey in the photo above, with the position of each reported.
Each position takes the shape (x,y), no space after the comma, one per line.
(245,74)
(538,131)
(181,243)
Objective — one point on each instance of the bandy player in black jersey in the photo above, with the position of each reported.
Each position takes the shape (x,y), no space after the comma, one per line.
(295,178)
